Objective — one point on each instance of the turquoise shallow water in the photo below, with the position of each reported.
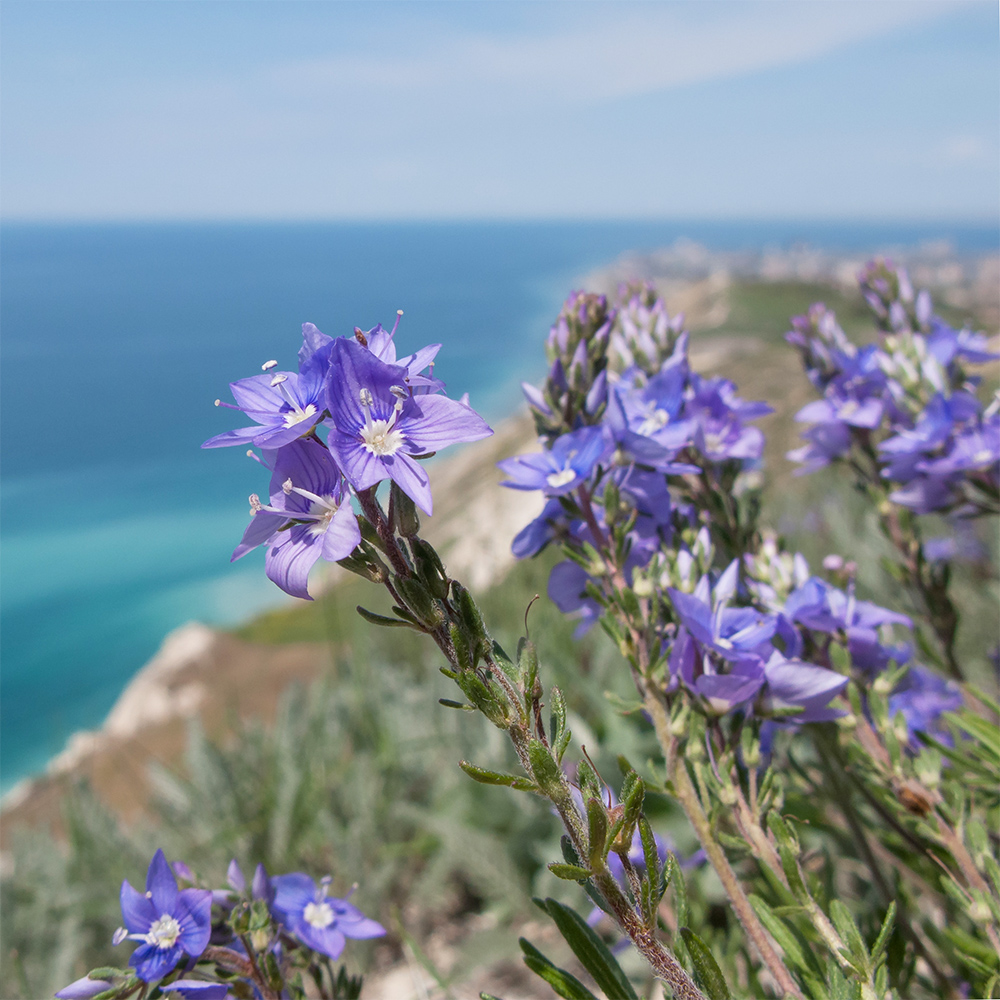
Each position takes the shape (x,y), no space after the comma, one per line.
(116,339)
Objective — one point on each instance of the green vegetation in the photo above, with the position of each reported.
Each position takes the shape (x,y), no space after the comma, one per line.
(359,777)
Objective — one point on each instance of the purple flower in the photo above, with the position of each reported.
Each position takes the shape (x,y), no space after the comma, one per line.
(380,342)
(379,425)
(533,537)
(818,606)
(719,414)
(646,420)
(563,467)
(946,344)
(169,922)
(923,697)
(260,888)
(734,634)
(567,590)
(827,442)
(197,989)
(794,684)
(84,989)
(285,405)
(319,921)
(309,516)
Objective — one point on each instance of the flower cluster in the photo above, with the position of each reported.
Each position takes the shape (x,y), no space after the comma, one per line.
(638,452)
(902,410)
(380,414)
(256,934)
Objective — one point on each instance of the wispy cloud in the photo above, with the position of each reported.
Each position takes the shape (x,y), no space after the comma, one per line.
(627,50)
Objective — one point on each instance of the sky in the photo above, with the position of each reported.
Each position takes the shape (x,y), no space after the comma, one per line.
(516,109)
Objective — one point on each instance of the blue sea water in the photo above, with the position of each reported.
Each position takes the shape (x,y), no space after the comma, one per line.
(116,339)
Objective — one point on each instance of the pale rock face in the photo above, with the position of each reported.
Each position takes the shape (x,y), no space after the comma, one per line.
(152,696)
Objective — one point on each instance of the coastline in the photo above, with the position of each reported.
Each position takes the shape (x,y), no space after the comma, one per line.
(211,675)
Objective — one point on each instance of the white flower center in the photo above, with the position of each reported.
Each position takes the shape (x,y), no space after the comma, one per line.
(381,438)
(296,416)
(323,511)
(164,932)
(654,422)
(318,915)
(560,478)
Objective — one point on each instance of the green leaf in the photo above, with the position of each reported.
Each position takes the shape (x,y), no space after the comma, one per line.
(571,873)
(597,821)
(848,930)
(592,952)
(706,969)
(623,706)
(557,716)
(632,799)
(572,858)
(485,777)
(565,985)
(779,930)
(374,619)
(448,703)
(546,771)
(883,934)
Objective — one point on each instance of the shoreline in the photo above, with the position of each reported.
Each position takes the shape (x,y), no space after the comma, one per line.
(206,674)
(473,522)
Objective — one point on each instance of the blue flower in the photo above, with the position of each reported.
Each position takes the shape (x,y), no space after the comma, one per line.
(285,405)
(379,425)
(309,516)
(197,989)
(923,697)
(169,922)
(563,467)
(84,989)
(319,921)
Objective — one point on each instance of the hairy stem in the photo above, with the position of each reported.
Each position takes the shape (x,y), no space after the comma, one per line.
(687,796)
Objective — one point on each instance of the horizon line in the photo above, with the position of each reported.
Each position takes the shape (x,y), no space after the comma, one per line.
(985,219)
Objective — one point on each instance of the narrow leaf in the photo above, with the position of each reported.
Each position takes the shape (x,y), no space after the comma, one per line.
(592,952)
(565,985)
(374,619)
(571,873)
(706,969)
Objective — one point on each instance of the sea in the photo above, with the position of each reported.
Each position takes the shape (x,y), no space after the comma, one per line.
(117,338)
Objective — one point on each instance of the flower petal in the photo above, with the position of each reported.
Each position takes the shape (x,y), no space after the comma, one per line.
(138,910)
(160,881)
(290,559)
(434,422)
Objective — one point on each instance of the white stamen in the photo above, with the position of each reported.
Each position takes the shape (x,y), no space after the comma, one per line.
(255,504)
(119,935)
(296,416)
(366,397)
(218,402)
(380,438)
(278,379)
(399,392)
(287,486)
(268,365)
(318,915)
(164,932)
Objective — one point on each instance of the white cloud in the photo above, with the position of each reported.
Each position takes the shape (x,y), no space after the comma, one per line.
(630,49)
(963,149)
